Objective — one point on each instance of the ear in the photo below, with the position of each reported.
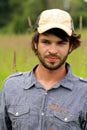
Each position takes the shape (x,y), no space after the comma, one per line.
(70,49)
(35,44)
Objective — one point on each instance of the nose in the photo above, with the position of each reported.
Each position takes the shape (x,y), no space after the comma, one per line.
(53,49)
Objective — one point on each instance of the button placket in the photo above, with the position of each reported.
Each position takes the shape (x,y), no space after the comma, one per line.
(43,104)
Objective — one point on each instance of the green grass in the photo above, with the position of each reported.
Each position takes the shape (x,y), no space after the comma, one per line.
(18,46)
(78,58)
(16,55)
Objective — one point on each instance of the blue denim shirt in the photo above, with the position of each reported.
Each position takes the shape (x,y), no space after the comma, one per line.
(26,105)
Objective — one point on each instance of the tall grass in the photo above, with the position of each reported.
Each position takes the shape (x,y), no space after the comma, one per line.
(16,55)
(78,58)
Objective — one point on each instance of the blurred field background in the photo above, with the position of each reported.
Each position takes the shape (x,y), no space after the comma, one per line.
(16,55)
(17,20)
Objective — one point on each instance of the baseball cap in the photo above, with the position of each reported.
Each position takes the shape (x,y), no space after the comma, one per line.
(54,18)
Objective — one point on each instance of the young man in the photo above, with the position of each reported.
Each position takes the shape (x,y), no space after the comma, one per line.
(49,97)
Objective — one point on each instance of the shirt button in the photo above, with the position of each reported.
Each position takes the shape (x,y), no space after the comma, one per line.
(45,93)
(17,114)
(42,113)
(65,119)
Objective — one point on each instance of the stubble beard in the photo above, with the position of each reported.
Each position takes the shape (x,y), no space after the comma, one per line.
(52,65)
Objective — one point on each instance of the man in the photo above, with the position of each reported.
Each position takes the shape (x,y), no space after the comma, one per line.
(49,97)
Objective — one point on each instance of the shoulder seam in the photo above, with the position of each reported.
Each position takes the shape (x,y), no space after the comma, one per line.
(83,79)
(15,74)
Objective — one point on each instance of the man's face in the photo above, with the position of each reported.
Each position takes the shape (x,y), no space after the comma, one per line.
(52,51)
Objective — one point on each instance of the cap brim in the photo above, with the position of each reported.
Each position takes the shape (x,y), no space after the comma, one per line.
(46,27)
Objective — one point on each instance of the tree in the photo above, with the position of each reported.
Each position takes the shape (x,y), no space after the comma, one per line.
(4,12)
(14,14)
(22,9)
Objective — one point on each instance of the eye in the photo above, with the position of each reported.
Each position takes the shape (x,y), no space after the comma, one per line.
(46,42)
(61,42)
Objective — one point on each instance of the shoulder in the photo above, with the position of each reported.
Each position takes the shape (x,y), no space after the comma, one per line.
(78,81)
(81,83)
(80,86)
(15,75)
(15,83)
(81,79)
(15,79)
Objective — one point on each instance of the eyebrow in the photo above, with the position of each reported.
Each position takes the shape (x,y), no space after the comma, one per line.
(64,39)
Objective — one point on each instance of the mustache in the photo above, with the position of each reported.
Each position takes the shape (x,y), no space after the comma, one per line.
(53,55)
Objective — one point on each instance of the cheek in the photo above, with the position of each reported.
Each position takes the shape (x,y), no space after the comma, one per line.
(42,48)
(64,51)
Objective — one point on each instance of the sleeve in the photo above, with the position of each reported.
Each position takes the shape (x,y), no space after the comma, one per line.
(83,118)
(5,123)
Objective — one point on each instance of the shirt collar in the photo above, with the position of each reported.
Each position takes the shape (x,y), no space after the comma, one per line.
(69,79)
(66,82)
(29,79)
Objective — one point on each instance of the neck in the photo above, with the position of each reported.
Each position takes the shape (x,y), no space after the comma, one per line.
(49,77)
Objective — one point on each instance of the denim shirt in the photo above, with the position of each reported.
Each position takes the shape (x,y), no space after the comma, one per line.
(26,105)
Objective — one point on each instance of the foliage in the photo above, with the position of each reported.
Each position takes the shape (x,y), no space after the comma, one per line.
(76,18)
(20,10)
(4,12)
(14,13)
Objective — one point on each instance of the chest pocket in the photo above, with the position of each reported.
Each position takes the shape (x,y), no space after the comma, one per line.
(19,116)
(22,117)
(62,121)
(66,121)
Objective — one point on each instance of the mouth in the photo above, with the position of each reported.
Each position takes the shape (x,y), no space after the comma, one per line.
(51,59)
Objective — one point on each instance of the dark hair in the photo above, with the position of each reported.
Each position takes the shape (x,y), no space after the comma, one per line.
(74,39)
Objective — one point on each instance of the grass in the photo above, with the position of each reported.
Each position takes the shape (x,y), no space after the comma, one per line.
(78,58)
(16,55)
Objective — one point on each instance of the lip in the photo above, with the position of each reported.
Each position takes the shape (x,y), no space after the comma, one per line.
(52,59)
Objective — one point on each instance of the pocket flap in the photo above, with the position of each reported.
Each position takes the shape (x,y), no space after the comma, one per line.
(18,110)
(66,117)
